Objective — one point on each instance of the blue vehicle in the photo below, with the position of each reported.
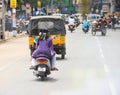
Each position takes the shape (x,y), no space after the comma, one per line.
(85,26)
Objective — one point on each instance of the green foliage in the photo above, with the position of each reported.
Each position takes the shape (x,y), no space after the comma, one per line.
(19,3)
(33,3)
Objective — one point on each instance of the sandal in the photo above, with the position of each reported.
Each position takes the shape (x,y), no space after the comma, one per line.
(32,67)
(54,69)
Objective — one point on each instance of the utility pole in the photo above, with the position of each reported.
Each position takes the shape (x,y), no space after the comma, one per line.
(2,19)
(101,11)
(112,6)
(52,6)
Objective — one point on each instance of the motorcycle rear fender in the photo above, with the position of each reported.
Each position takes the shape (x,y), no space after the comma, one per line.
(48,63)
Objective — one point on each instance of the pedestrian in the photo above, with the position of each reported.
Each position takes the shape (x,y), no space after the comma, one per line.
(6,23)
(9,23)
(113,22)
(14,27)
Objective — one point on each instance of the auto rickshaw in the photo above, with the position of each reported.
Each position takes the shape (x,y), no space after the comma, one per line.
(55,25)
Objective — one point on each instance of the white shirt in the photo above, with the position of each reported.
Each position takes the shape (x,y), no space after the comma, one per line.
(14,22)
(71,21)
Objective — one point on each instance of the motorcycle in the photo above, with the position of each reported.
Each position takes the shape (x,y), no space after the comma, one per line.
(85,29)
(103,32)
(18,28)
(85,26)
(43,67)
(109,25)
(71,28)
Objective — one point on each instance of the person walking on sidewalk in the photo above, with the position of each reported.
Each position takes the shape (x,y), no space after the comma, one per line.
(14,27)
(9,19)
(113,22)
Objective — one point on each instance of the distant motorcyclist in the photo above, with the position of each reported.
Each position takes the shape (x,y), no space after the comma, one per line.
(113,22)
(77,20)
(103,23)
(109,20)
(44,45)
(71,21)
(85,24)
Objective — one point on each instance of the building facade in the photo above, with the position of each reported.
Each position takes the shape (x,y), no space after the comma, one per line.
(100,6)
(105,6)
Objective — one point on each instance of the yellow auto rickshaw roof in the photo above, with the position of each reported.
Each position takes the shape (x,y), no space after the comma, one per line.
(58,28)
(53,17)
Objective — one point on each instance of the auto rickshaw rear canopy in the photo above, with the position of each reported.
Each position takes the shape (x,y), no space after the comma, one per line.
(54,24)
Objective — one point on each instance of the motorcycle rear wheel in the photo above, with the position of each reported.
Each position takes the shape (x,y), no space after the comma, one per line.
(62,56)
(43,78)
(93,33)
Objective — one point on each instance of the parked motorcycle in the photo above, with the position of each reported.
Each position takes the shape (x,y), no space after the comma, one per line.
(18,28)
(43,67)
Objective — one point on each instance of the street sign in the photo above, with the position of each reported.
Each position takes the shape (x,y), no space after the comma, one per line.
(39,4)
(105,8)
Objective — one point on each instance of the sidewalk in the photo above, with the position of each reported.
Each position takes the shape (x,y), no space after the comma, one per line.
(9,35)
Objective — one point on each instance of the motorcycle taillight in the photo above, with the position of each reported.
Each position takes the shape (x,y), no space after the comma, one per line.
(42,61)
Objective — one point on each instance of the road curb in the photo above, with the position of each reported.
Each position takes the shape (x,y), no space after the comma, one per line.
(9,35)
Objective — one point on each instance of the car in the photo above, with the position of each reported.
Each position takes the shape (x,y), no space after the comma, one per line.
(93,17)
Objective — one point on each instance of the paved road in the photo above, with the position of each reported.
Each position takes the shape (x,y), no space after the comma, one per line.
(91,67)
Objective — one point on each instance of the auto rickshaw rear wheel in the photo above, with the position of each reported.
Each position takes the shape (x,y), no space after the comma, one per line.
(62,56)
(93,33)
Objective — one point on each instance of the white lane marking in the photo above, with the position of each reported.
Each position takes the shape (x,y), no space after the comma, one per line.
(102,55)
(106,68)
(100,47)
(112,87)
(101,50)
(113,90)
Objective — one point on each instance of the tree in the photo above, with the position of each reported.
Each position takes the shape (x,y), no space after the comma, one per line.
(85,8)
(19,3)
(117,2)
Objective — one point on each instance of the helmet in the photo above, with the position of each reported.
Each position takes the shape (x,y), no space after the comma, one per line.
(43,34)
(71,17)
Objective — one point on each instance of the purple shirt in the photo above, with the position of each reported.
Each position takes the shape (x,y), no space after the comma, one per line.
(44,47)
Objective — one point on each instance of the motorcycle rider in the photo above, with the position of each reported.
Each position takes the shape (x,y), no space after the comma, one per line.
(44,45)
(71,22)
(113,22)
(103,23)
(85,24)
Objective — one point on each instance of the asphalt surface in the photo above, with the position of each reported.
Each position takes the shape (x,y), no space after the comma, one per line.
(91,67)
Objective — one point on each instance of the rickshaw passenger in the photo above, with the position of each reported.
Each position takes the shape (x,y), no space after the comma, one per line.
(44,45)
